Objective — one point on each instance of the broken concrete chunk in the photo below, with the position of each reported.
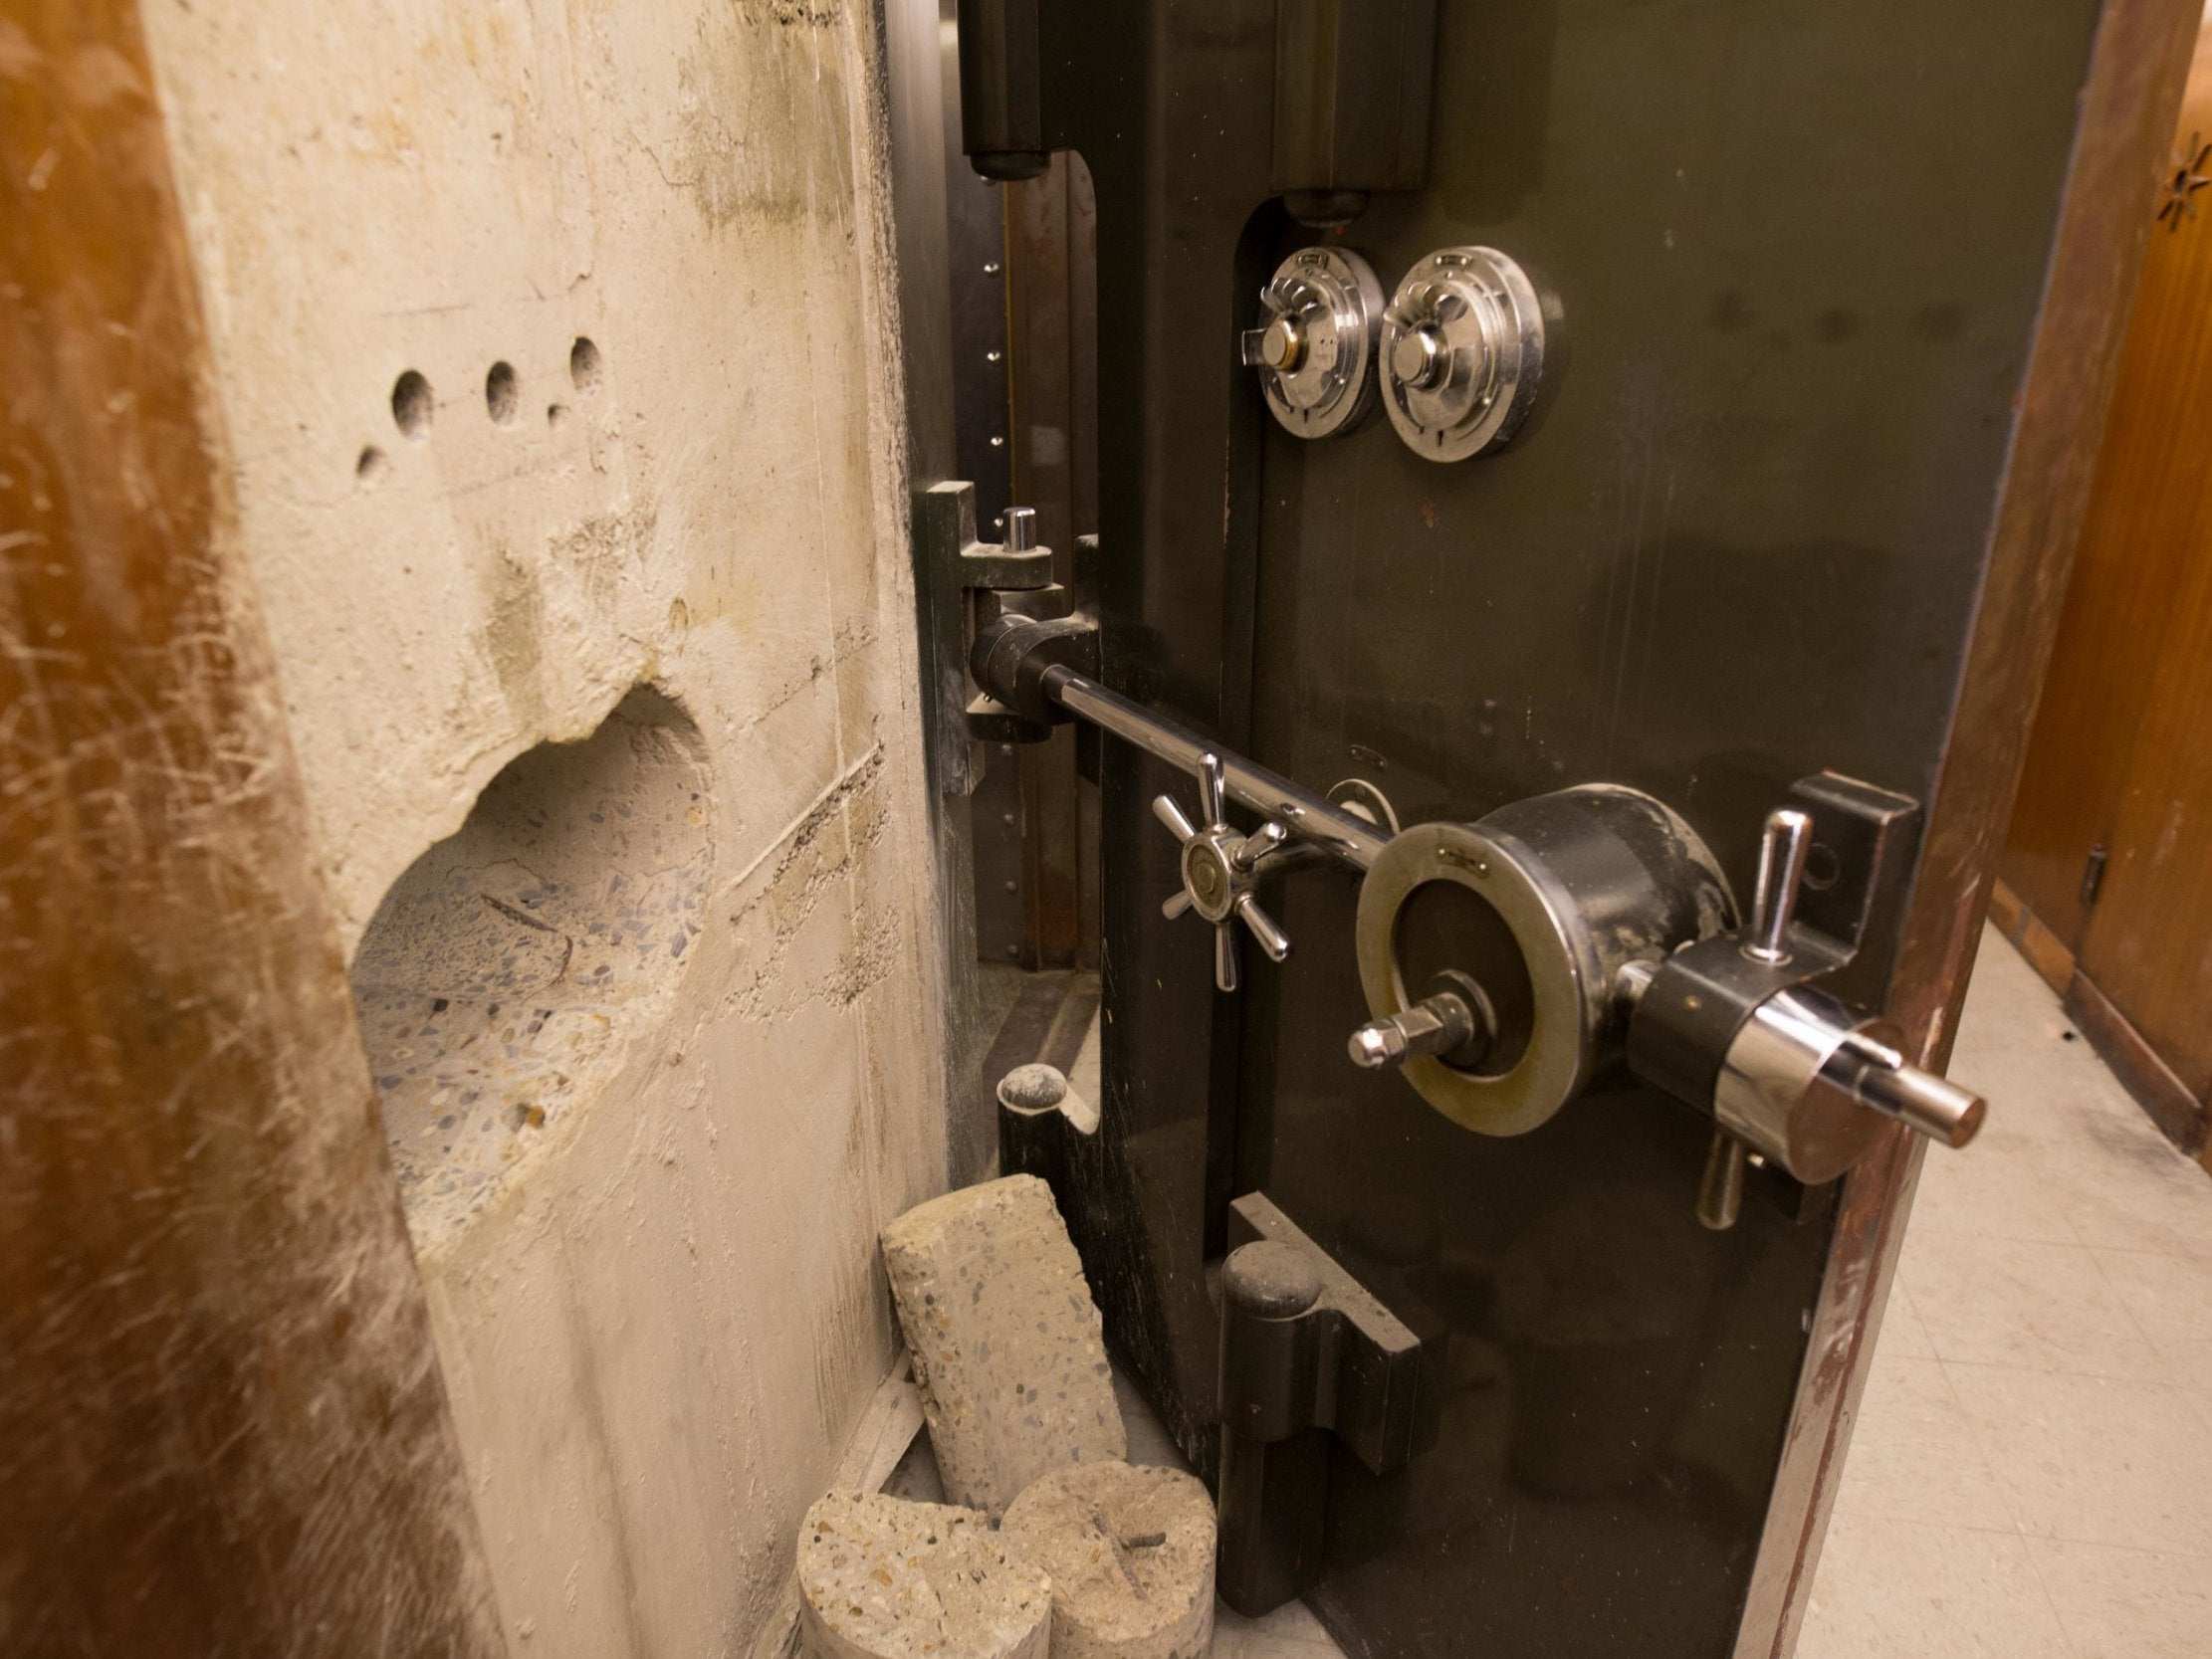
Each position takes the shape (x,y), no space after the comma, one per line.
(1004,1339)
(1129,1553)
(884,1579)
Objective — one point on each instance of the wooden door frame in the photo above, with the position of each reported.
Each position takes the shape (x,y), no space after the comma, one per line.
(222,1423)
(2138,65)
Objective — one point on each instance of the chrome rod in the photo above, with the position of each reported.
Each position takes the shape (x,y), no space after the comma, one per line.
(1304,814)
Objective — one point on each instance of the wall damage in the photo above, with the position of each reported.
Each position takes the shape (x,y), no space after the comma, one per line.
(554,341)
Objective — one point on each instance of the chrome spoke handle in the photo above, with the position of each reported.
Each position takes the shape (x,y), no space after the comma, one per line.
(1220,868)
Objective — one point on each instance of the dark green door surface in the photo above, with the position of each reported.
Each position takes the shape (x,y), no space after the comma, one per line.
(1797,249)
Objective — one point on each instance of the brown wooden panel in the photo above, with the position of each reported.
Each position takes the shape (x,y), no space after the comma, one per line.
(2161,1094)
(2149,942)
(2046,954)
(1051,227)
(2138,542)
(2143,652)
(222,1429)
(2135,81)
(2005,910)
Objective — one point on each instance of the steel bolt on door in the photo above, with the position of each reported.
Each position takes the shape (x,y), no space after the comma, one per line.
(1785,263)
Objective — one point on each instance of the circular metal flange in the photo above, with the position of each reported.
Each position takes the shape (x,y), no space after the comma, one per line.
(1315,343)
(1572,887)
(1463,353)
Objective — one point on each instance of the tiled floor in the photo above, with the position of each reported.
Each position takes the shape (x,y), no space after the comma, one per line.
(2031,1472)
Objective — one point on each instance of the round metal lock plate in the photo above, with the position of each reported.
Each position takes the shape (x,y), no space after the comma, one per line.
(1463,353)
(1554,895)
(1314,348)
(1555,1061)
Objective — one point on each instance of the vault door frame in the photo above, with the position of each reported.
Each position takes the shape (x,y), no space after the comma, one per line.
(2137,67)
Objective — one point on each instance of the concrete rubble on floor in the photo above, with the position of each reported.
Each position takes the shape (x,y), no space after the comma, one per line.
(1095,1558)
(882,1577)
(1130,1551)
(1005,1338)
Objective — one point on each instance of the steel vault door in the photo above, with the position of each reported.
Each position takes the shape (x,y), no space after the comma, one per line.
(1793,252)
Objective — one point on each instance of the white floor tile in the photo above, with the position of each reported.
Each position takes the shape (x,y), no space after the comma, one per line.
(1998,1190)
(2044,1306)
(2127,1604)
(2061,1268)
(2140,1195)
(2094,1460)
(1904,1335)
(2041,1092)
(1904,1590)
(2170,1298)
(1913,1455)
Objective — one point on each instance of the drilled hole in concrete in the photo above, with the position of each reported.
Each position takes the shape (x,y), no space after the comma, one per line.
(412,404)
(506,973)
(502,394)
(371,466)
(583,364)
(556,415)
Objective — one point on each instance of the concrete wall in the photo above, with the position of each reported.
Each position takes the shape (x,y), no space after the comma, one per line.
(661,1315)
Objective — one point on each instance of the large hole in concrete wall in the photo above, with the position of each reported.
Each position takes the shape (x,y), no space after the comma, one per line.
(509,970)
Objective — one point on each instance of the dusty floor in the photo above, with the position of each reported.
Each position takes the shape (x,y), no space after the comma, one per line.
(2031,1472)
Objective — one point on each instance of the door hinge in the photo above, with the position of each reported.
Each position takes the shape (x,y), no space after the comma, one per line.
(2093,874)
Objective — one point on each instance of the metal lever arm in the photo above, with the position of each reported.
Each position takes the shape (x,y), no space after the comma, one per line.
(1020,661)
(1218,870)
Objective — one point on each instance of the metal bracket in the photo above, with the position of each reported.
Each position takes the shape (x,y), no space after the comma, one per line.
(1307,1352)
(1858,876)
(1843,934)
(1757,1027)
(951,567)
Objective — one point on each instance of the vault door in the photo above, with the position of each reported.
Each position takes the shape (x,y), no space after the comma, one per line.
(1788,260)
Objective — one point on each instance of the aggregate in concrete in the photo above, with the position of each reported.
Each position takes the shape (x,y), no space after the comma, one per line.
(1129,1553)
(881,1578)
(1006,1340)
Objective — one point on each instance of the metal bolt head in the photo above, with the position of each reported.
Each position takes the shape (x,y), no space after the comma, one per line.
(1282,345)
(1377,1044)
(1022,529)
(1417,357)
(1205,880)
